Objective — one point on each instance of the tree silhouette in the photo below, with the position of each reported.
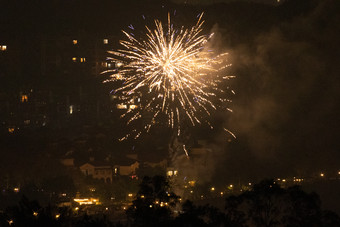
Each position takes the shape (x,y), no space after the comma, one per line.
(154,203)
(267,204)
(192,215)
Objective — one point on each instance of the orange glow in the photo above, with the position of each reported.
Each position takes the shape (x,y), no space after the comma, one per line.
(192,183)
(121,106)
(24,98)
(133,106)
(87,201)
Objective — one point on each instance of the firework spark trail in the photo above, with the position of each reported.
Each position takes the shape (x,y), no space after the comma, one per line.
(173,74)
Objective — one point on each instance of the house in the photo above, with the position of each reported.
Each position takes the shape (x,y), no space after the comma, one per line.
(102,171)
(127,167)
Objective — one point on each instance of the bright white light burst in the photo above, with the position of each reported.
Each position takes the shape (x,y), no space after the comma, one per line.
(169,77)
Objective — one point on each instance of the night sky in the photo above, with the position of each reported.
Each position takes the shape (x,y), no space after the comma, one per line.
(285,58)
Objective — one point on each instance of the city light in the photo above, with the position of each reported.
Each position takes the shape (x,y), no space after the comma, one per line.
(86,201)
(192,183)
(24,98)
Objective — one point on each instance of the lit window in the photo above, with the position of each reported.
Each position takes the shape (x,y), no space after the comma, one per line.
(106,41)
(24,98)
(82,59)
(121,106)
(133,107)
(75,42)
(74,59)
(170,173)
(3,47)
(71,108)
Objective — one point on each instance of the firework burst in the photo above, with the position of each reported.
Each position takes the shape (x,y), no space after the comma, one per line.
(169,77)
